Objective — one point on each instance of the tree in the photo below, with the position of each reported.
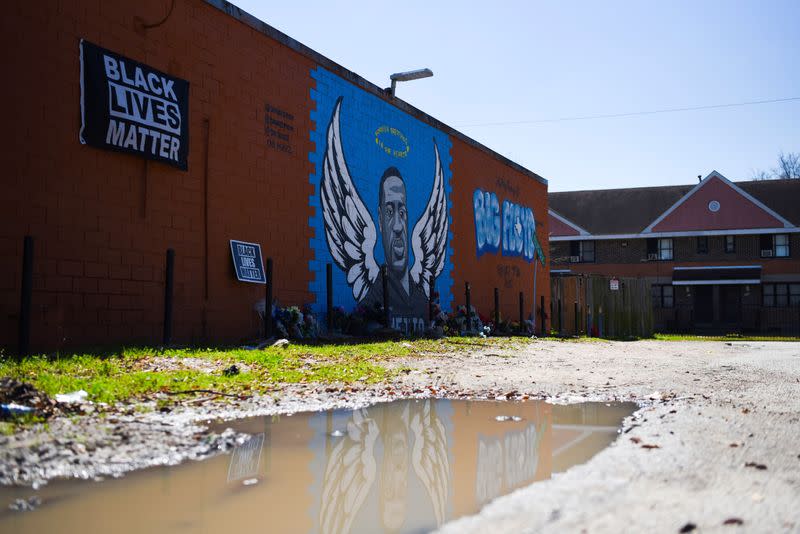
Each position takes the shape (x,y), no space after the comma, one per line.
(761,175)
(788,168)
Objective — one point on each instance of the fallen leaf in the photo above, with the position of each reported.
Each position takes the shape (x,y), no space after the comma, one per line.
(746,410)
(733,521)
(650,446)
(688,527)
(758,466)
(636,440)
(733,445)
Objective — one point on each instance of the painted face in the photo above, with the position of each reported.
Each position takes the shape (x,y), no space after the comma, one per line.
(394,224)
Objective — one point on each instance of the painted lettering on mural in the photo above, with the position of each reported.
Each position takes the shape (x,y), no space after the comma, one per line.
(518,230)
(512,229)
(399,149)
(487,221)
(507,186)
(508,274)
(278,125)
(351,234)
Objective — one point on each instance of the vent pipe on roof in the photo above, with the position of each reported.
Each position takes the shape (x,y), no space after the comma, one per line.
(699,177)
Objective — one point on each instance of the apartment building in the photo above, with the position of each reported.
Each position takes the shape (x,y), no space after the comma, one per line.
(721,256)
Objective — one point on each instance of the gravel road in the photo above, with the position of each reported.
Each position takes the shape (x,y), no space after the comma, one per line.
(724,416)
(717,437)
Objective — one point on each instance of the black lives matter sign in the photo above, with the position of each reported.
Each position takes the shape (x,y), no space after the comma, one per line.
(130,107)
(248,262)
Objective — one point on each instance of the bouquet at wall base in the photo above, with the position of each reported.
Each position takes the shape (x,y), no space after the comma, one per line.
(457,322)
(292,322)
(438,317)
(363,320)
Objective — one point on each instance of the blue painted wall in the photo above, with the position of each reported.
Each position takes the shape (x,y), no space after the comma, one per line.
(375,135)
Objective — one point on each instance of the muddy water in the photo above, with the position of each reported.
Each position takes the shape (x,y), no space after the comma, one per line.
(406,466)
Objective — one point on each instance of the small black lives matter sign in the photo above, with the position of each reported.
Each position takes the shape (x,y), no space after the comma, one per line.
(247,262)
(130,107)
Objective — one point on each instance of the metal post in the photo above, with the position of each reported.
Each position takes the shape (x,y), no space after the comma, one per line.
(521,312)
(469,306)
(560,325)
(541,316)
(329,296)
(496,308)
(431,289)
(24,342)
(600,323)
(533,299)
(268,300)
(385,283)
(169,284)
(577,323)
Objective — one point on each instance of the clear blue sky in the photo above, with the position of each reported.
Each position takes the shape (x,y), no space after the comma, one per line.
(527,61)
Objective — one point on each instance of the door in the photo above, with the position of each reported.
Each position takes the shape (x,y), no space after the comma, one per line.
(731,301)
(703,304)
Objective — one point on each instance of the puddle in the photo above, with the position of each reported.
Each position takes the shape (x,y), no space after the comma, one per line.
(405,466)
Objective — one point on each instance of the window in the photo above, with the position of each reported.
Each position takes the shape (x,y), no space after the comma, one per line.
(768,295)
(665,249)
(776,245)
(730,244)
(652,248)
(587,251)
(781,245)
(781,295)
(582,250)
(662,296)
(702,244)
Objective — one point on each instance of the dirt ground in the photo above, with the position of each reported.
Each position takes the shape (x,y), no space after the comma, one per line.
(725,418)
(717,438)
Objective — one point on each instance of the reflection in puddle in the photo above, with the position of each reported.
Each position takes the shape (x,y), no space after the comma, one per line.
(405,466)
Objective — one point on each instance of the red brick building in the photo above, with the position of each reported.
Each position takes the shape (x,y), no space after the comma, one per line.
(221,128)
(721,256)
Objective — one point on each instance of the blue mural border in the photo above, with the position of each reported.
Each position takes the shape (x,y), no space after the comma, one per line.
(364,114)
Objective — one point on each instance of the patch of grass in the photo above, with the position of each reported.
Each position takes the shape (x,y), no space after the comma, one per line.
(728,337)
(116,376)
(108,379)
(120,375)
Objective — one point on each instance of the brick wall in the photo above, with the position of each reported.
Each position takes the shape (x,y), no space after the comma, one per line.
(612,258)
(487,271)
(102,221)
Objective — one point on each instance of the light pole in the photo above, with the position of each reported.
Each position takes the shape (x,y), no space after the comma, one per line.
(408,76)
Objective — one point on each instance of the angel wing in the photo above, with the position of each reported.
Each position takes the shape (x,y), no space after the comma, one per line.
(349,475)
(349,228)
(429,239)
(429,458)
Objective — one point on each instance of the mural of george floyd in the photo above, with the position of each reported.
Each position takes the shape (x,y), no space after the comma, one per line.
(193,126)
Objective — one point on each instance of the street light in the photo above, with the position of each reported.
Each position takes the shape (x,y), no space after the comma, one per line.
(408,76)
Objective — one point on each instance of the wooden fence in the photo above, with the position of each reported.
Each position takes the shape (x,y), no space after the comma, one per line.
(600,306)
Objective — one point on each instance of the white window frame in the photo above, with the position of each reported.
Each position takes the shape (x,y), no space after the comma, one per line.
(732,240)
(665,249)
(583,251)
(781,247)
